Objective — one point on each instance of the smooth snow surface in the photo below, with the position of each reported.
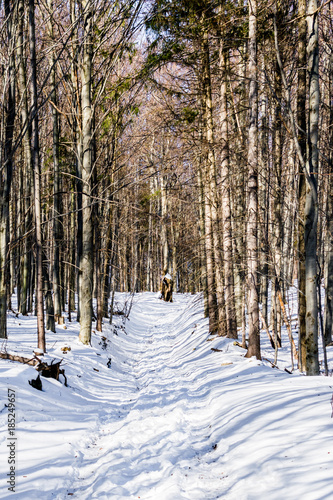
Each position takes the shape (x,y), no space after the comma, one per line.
(151,412)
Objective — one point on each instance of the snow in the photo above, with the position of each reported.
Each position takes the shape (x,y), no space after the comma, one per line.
(168,418)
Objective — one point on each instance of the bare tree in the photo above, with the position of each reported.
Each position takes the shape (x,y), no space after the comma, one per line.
(57,232)
(252,203)
(301,118)
(37,181)
(231,325)
(311,200)
(86,263)
(7,164)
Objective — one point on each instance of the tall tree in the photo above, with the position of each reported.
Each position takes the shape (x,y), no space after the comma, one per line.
(311,200)
(231,324)
(302,139)
(57,232)
(252,202)
(37,180)
(27,160)
(86,262)
(329,212)
(213,256)
(7,165)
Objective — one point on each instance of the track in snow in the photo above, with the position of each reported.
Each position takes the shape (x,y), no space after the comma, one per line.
(151,450)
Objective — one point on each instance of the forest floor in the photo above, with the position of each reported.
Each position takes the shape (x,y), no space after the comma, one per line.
(156,409)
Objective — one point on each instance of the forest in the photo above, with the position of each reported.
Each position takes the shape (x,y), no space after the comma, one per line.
(146,137)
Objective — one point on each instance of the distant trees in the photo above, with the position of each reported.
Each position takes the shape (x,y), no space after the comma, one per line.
(204,151)
(277,142)
(47,200)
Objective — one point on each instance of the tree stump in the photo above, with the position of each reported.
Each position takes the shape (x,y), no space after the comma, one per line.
(52,371)
(167,288)
(36,383)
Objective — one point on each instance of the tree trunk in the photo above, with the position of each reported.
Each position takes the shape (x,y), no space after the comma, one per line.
(22,86)
(278,226)
(77,140)
(202,231)
(231,325)
(252,210)
(213,244)
(164,225)
(49,306)
(301,118)
(311,201)
(71,252)
(57,232)
(265,209)
(86,263)
(107,259)
(328,328)
(210,275)
(149,277)
(37,182)
(149,269)
(7,167)
(99,278)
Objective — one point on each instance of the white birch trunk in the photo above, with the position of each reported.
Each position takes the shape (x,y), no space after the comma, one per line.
(311,201)
(252,208)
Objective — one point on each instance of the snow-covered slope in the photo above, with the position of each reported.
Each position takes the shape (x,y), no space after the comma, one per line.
(152,412)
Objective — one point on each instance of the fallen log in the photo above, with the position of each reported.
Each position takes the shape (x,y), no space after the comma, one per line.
(26,361)
(49,371)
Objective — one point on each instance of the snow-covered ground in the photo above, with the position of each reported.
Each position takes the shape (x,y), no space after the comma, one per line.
(153,412)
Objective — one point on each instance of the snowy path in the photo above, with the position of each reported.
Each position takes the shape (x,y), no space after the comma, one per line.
(153,447)
(197,430)
(171,419)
